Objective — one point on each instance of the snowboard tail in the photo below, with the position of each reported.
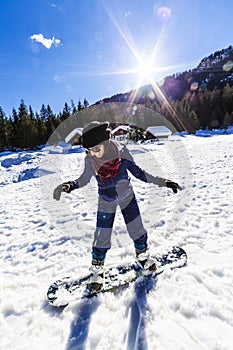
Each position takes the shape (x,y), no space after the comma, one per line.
(67,289)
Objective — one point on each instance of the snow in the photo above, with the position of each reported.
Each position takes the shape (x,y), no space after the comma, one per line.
(159,131)
(77,132)
(42,240)
(61,147)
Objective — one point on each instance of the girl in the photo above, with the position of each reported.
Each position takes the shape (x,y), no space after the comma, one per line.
(109,163)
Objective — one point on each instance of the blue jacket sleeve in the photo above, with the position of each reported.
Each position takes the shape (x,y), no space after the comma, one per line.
(140,173)
(85,178)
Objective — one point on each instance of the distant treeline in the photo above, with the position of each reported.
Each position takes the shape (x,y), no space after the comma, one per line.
(26,129)
(198,109)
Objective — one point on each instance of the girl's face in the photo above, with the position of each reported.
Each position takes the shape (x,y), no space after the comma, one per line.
(97,151)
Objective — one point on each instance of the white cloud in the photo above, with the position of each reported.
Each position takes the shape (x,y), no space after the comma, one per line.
(45,42)
(56,6)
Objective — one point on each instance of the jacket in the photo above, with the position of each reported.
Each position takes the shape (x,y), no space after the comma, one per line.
(114,187)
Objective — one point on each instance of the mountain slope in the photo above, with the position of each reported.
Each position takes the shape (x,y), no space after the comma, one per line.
(215,70)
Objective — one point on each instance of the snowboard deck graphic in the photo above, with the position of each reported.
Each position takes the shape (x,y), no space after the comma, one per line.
(67,289)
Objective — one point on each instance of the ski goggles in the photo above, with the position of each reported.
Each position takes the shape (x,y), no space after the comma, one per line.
(95,149)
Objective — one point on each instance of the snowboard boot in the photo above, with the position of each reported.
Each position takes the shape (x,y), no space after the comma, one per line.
(143,258)
(96,280)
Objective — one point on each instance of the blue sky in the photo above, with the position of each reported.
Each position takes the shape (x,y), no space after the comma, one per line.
(59,50)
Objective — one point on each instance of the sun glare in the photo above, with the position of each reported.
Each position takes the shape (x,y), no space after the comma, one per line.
(145,70)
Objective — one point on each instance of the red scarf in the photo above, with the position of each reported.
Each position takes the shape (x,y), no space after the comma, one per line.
(108,166)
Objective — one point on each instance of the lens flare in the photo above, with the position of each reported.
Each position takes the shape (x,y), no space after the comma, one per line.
(146,70)
(151,95)
(228,66)
(164,13)
(134,110)
(194,86)
(161,82)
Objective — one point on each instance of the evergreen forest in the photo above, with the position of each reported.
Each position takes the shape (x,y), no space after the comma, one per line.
(26,129)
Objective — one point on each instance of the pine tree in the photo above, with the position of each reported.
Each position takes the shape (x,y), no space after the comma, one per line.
(85,103)
(65,112)
(15,129)
(9,133)
(73,107)
(26,129)
(80,106)
(227,97)
(41,124)
(51,122)
(193,122)
(34,132)
(3,130)
(23,132)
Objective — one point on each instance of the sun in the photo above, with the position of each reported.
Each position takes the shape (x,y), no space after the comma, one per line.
(145,70)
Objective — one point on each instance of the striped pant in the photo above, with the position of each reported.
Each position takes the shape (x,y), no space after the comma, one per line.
(105,219)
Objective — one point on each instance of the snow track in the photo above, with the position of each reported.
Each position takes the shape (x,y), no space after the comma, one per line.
(188,308)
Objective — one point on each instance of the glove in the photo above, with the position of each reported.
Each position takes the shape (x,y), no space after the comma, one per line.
(65,187)
(68,186)
(173,185)
(161,182)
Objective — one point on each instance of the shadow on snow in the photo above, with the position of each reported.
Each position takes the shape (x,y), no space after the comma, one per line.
(138,308)
(80,326)
(135,337)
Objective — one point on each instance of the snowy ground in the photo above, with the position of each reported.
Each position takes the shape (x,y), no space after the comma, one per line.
(41,240)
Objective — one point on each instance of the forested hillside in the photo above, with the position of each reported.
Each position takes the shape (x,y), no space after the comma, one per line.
(28,129)
(196,99)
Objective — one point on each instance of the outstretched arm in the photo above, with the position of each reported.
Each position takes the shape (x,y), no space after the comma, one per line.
(73,185)
(146,177)
(65,187)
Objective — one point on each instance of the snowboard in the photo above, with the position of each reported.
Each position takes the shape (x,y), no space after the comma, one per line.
(67,289)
